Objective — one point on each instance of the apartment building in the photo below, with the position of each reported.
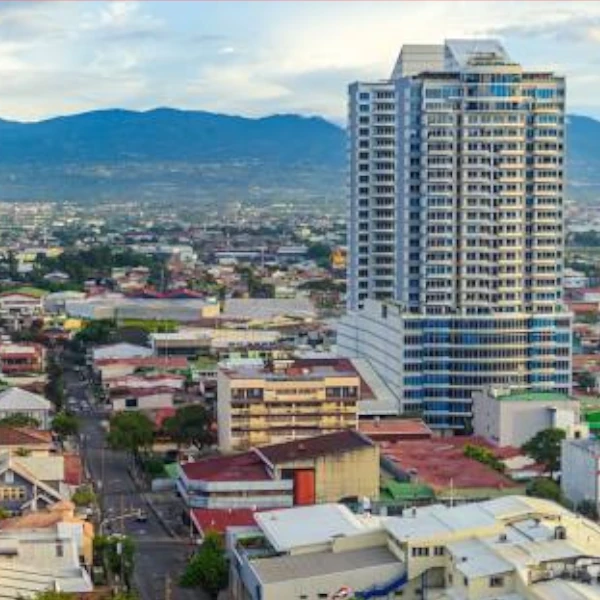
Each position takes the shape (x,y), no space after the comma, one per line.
(456,228)
(285,400)
(511,548)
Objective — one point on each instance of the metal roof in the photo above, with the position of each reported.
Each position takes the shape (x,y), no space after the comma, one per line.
(16,399)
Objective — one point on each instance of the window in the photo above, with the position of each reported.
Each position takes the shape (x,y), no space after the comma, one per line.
(131,402)
(438,551)
(12,492)
(9,477)
(420,551)
(59,550)
(496,581)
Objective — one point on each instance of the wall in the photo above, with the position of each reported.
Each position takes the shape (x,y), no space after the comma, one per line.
(580,478)
(145,402)
(224,411)
(354,473)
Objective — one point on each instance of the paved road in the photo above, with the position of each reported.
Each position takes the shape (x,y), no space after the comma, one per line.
(159,558)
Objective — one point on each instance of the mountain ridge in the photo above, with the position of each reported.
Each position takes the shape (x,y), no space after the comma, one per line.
(203,155)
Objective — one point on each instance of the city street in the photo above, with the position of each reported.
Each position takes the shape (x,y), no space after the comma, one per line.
(159,559)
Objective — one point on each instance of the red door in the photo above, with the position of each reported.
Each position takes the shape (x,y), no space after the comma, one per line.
(304,487)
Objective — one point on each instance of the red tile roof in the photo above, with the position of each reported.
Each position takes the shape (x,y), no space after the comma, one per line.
(329,443)
(173,362)
(162,414)
(23,436)
(213,519)
(240,467)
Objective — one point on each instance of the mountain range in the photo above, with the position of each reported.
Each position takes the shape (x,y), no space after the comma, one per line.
(169,154)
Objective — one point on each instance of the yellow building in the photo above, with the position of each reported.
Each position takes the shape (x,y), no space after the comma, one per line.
(288,400)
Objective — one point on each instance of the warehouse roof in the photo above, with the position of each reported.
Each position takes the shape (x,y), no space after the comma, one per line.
(329,443)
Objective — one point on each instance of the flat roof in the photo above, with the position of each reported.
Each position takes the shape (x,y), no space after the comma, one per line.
(317,564)
(307,525)
(474,558)
(535,397)
(399,427)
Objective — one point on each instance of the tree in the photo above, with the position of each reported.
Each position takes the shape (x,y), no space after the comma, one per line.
(542,487)
(131,431)
(544,448)
(65,425)
(190,425)
(586,380)
(208,568)
(96,332)
(118,554)
(20,420)
(84,496)
(588,508)
(55,387)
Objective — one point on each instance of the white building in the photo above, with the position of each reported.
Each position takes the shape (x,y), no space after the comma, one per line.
(580,468)
(575,279)
(456,217)
(510,548)
(508,418)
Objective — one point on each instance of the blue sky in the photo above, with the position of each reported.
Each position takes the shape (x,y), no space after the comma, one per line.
(258,58)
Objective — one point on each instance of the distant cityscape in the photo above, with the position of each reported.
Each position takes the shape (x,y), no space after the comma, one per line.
(257,394)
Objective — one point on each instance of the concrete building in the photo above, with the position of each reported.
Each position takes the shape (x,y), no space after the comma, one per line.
(575,279)
(285,401)
(511,548)
(456,228)
(580,470)
(508,418)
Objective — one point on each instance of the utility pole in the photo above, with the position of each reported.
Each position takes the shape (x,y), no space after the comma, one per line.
(168,587)
(122,541)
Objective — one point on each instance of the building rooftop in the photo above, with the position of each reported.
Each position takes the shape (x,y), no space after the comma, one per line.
(307,525)
(317,564)
(212,519)
(24,436)
(441,463)
(16,399)
(403,428)
(121,351)
(269,308)
(329,443)
(534,397)
(239,467)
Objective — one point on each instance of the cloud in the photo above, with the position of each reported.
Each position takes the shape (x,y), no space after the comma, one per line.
(258,58)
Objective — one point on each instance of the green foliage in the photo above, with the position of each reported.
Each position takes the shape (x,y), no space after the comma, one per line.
(208,567)
(117,553)
(153,466)
(485,456)
(65,425)
(588,509)
(586,380)
(544,448)
(542,487)
(320,253)
(55,386)
(130,431)
(191,424)
(51,595)
(84,496)
(150,326)
(97,332)
(20,420)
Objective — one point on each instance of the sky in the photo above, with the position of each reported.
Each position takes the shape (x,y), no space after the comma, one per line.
(260,58)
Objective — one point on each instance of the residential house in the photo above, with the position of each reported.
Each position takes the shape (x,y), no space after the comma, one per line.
(25,441)
(16,401)
(22,359)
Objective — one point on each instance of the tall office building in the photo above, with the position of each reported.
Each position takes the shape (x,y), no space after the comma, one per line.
(456,228)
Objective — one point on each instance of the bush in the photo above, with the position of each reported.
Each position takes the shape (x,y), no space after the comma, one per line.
(208,568)
(84,496)
(485,456)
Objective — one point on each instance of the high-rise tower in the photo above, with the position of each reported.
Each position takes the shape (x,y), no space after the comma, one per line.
(456,226)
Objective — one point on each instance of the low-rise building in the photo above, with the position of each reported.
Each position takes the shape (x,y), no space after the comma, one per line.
(509,418)
(580,471)
(26,441)
(285,401)
(326,468)
(16,401)
(512,548)
(22,359)
(45,551)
